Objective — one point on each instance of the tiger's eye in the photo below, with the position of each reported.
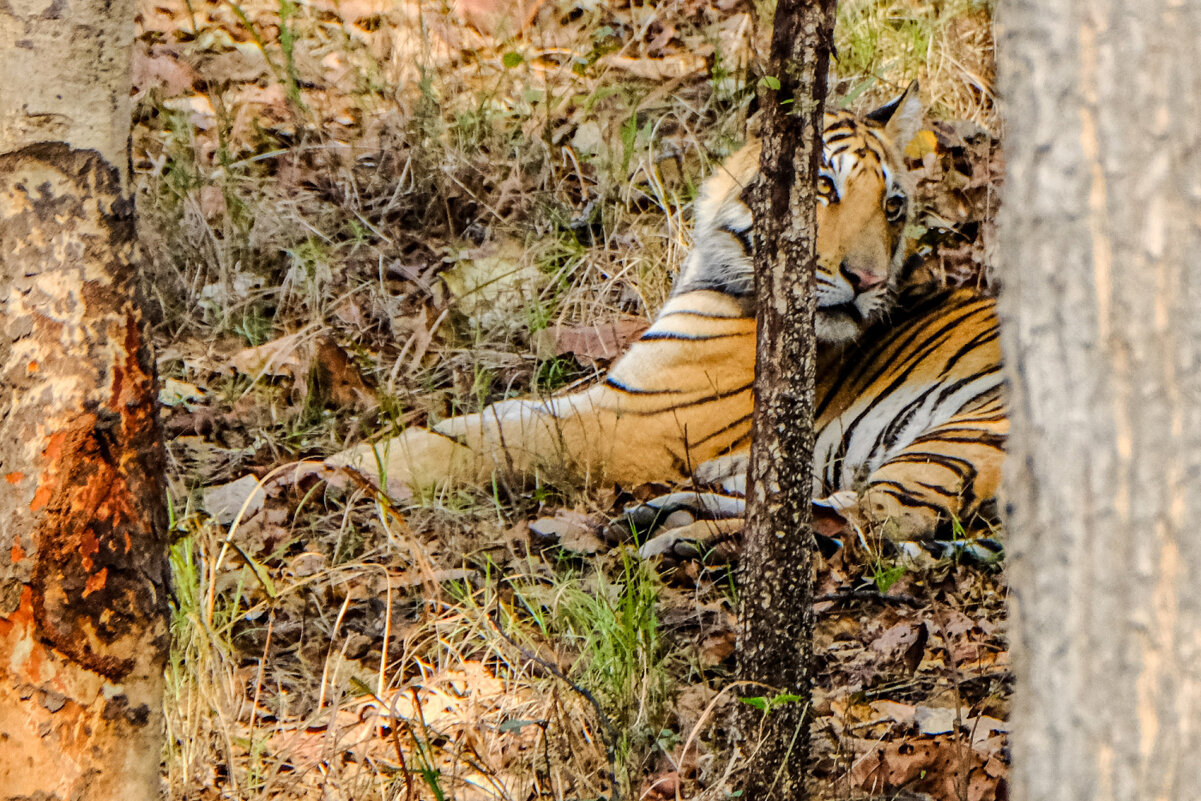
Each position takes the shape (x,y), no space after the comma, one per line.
(894,206)
(825,187)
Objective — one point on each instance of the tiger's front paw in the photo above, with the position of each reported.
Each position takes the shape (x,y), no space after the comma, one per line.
(416,460)
(872,517)
(877,520)
(714,541)
(670,511)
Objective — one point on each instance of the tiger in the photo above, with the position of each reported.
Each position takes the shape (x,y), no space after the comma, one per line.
(901,423)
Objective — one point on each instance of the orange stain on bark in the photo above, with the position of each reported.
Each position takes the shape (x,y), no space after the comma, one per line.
(33,367)
(89,546)
(23,614)
(95,582)
(52,454)
(15,629)
(14,478)
(16,553)
(53,451)
(41,498)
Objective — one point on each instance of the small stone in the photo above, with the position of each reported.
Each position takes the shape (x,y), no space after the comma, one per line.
(357,645)
(53,700)
(224,501)
(548,529)
(934,719)
(572,531)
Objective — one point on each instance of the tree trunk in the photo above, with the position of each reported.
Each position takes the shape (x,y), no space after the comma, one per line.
(83,525)
(1101,309)
(776,613)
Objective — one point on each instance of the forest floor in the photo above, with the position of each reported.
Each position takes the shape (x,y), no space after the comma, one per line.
(367,214)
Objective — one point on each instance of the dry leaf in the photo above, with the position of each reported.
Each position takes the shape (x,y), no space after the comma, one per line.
(934,719)
(352,10)
(663,787)
(261,108)
(984,729)
(716,648)
(156,18)
(212,202)
(690,705)
(337,377)
(161,69)
(497,18)
(570,530)
(420,578)
(283,357)
(314,363)
(600,342)
(897,638)
(494,283)
(903,714)
(198,109)
(240,65)
(588,139)
(934,766)
(179,393)
(307,564)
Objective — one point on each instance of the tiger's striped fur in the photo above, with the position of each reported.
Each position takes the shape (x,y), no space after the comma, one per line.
(914,420)
(910,426)
(682,395)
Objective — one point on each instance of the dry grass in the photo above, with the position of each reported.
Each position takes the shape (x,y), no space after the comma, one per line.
(326,170)
(379,677)
(948,46)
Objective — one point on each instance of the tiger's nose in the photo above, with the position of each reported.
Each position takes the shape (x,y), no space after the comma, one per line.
(861,278)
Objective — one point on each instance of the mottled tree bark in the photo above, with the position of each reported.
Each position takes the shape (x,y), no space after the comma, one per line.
(776,585)
(1101,308)
(64,68)
(83,576)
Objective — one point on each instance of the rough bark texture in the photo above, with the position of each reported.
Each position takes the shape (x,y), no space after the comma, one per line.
(83,576)
(83,583)
(1102,324)
(776,615)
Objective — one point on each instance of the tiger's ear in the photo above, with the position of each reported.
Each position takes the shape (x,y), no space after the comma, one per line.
(901,117)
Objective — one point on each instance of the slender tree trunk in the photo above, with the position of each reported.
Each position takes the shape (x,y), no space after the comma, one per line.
(83,577)
(1101,311)
(776,614)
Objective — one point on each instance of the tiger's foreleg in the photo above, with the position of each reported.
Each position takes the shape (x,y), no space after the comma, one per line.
(526,440)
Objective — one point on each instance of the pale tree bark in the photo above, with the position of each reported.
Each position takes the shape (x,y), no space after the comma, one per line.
(776,583)
(64,66)
(1101,308)
(83,525)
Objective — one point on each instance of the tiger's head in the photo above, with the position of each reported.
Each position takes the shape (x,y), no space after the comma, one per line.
(865,200)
